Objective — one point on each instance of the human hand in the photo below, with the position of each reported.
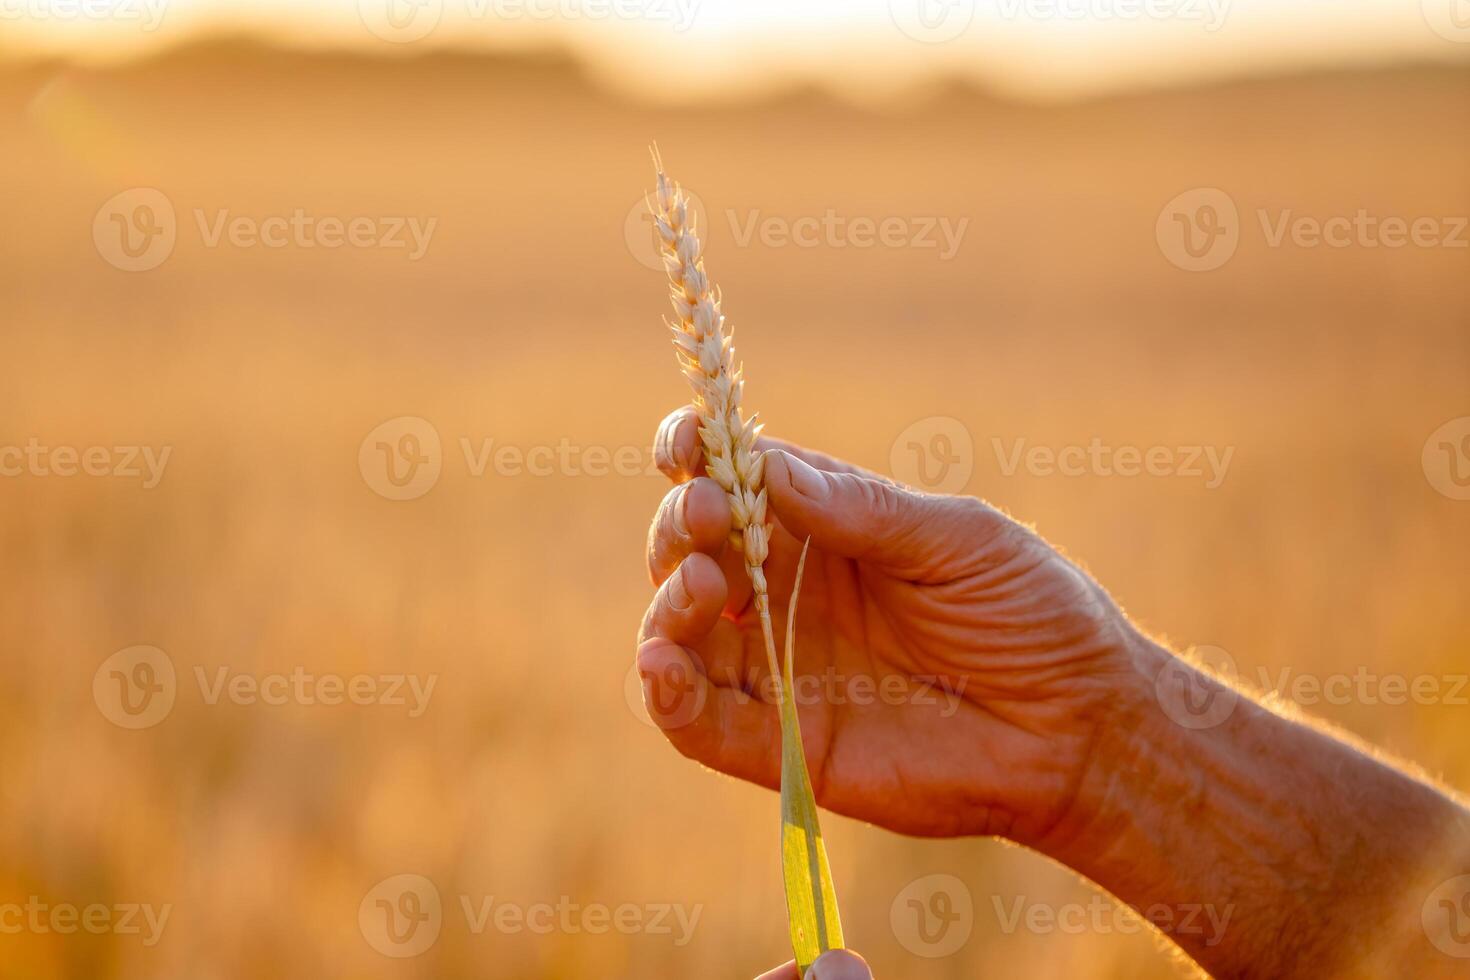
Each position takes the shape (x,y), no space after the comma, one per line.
(965,666)
(836,964)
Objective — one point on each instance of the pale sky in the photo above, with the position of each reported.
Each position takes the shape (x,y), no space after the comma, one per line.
(683,49)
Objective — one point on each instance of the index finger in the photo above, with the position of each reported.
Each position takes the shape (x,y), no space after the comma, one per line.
(676,448)
(680,456)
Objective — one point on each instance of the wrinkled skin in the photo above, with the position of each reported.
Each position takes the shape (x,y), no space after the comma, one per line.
(954,670)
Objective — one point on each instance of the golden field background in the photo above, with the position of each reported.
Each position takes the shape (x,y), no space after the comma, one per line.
(530,321)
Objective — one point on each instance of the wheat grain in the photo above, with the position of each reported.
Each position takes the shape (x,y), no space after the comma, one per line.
(706,354)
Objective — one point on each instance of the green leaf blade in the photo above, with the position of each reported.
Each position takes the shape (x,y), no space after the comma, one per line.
(811,899)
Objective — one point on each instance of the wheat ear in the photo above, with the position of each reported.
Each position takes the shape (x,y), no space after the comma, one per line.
(706,354)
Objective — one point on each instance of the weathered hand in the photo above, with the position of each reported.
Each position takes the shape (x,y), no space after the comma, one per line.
(953,669)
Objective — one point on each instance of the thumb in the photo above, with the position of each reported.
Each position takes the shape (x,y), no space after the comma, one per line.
(872,520)
(839,964)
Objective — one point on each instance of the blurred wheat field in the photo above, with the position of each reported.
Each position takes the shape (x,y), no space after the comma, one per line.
(530,321)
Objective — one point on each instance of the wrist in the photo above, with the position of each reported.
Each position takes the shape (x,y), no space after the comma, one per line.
(1122,775)
(1303,855)
(1172,818)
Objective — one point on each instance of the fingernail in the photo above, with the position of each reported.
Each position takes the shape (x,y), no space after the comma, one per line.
(839,964)
(678,592)
(807,481)
(680,515)
(663,443)
(666,444)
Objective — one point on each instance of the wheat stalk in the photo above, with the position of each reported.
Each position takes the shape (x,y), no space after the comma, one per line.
(706,353)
